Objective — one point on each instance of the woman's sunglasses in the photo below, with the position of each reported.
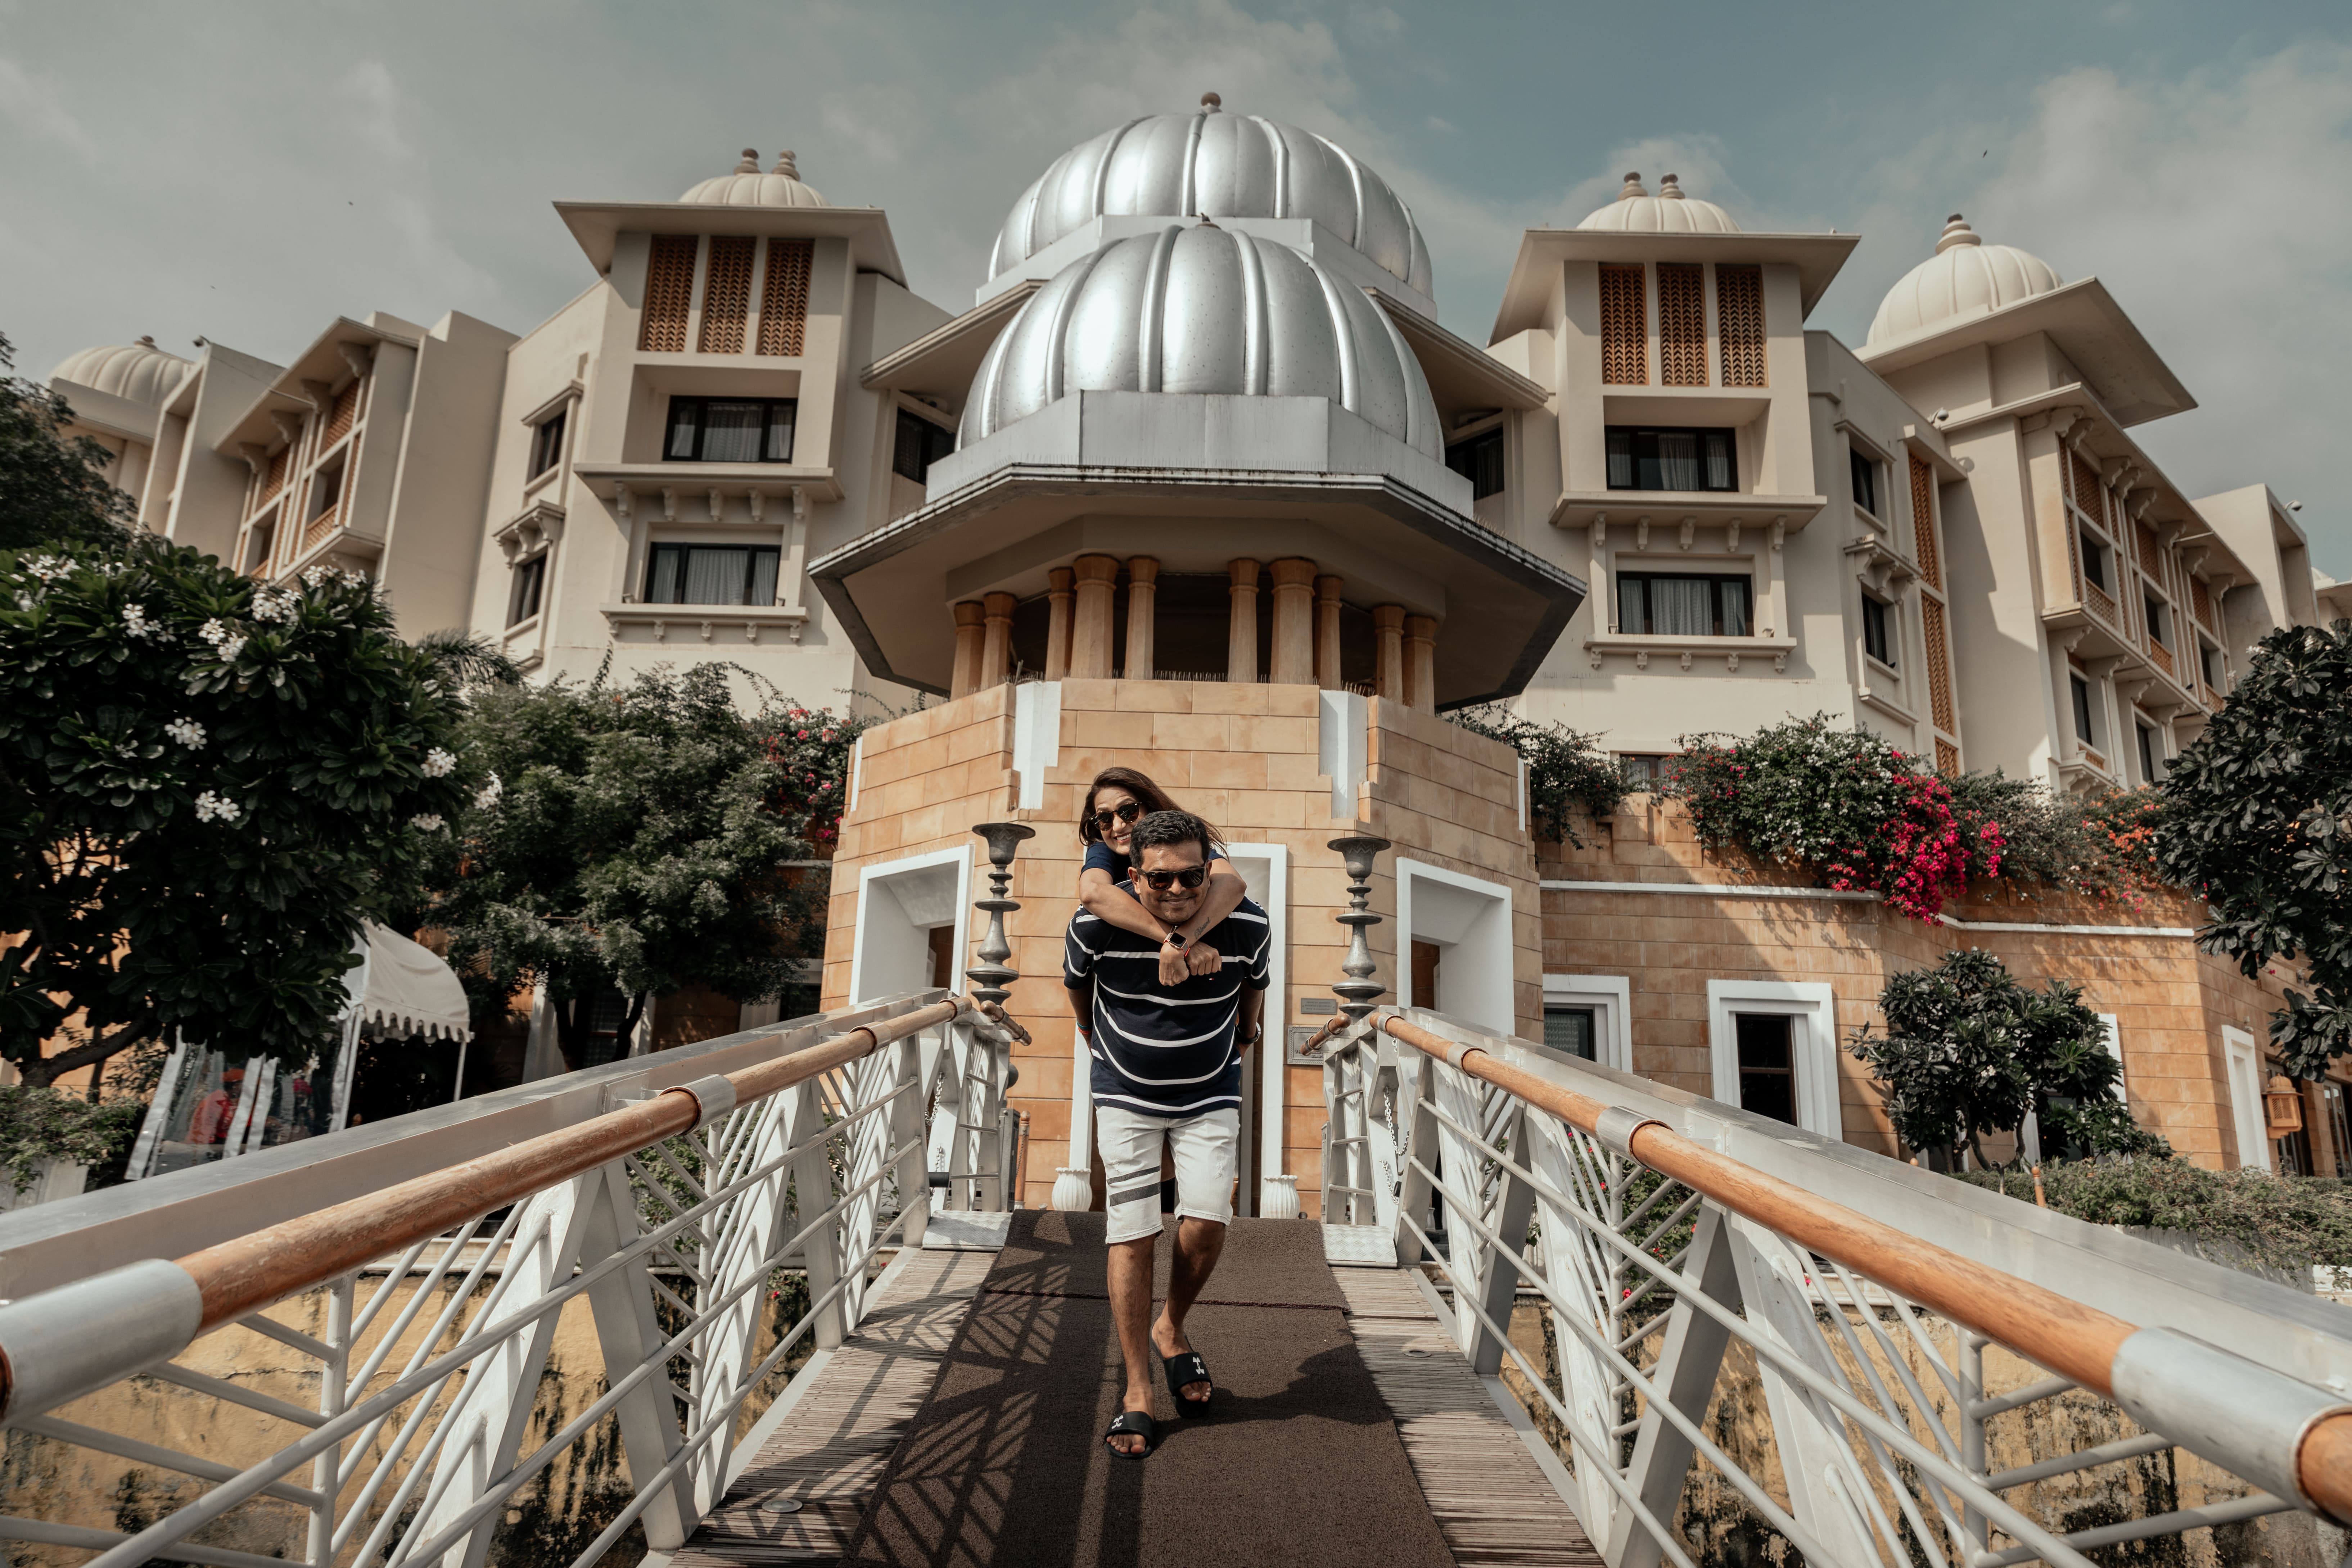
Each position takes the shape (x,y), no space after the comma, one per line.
(1162,881)
(1125,811)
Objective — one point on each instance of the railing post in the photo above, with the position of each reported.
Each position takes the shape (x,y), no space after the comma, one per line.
(1684,1377)
(334,1392)
(628,1332)
(813,1194)
(907,1131)
(1499,1285)
(992,979)
(728,1349)
(1417,1115)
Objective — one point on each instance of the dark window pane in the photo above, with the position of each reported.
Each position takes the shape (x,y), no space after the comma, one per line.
(662,576)
(1621,459)
(920,444)
(1633,605)
(2082,693)
(1480,460)
(763,577)
(1731,596)
(530,578)
(782,416)
(1677,459)
(685,422)
(732,431)
(716,576)
(1658,604)
(1767,1065)
(546,445)
(2155,607)
(1671,459)
(2146,753)
(1719,476)
(1865,482)
(1570,1029)
(2094,560)
(712,575)
(1874,631)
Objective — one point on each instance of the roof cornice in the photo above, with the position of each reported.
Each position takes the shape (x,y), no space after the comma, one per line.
(598,226)
(1816,257)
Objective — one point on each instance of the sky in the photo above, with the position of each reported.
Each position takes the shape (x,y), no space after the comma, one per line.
(246,171)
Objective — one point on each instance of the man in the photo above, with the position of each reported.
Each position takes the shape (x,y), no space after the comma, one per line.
(1166,1074)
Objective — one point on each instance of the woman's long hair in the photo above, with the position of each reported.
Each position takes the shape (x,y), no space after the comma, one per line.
(1149,796)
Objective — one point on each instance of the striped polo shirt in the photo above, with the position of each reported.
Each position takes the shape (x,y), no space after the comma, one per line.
(1158,1049)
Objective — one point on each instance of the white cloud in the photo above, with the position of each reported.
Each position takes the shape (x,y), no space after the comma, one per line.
(36,106)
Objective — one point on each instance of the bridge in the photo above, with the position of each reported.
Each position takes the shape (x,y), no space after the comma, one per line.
(767,1298)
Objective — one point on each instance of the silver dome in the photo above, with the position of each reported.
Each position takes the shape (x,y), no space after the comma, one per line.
(1215,165)
(1202,310)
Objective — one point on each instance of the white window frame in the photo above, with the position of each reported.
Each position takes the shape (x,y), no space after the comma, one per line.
(1486,1013)
(1819,1108)
(1610,997)
(2112,1038)
(867,876)
(2242,1064)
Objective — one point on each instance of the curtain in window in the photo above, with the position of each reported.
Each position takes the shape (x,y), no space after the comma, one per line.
(715,576)
(780,432)
(1621,459)
(664,587)
(1677,459)
(1718,460)
(1679,606)
(731,432)
(681,430)
(763,577)
(1735,607)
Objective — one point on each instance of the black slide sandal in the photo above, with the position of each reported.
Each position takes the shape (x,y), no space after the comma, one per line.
(1132,1424)
(1186,1366)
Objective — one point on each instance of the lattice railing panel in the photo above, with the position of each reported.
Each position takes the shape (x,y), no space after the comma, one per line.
(2161,655)
(344,413)
(727,294)
(1682,323)
(1948,756)
(2202,597)
(273,475)
(1939,663)
(1739,323)
(669,293)
(1923,524)
(785,297)
(2083,487)
(322,525)
(2151,555)
(2102,603)
(1624,327)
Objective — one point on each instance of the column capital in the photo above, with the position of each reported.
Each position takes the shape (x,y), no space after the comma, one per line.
(1327,586)
(1389,618)
(1293,572)
(1059,580)
(998,606)
(1142,569)
(970,612)
(1244,573)
(1096,568)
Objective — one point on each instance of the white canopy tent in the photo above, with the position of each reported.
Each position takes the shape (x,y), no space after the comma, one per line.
(401,989)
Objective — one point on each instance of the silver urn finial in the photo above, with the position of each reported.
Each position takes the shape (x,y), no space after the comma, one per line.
(1359,990)
(991,977)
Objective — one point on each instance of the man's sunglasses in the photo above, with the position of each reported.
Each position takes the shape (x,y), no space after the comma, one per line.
(1162,881)
(1125,811)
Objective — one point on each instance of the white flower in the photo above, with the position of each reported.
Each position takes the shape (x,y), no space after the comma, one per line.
(134,622)
(46,567)
(426,821)
(275,605)
(187,731)
(438,763)
(210,805)
(318,574)
(487,796)
(226,642)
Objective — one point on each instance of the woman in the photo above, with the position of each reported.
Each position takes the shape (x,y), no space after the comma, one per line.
(1115,803)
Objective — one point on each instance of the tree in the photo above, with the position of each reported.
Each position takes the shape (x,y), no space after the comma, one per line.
(52,491)
(627,840)
(1967,1051)
(204,784)
(2258,820)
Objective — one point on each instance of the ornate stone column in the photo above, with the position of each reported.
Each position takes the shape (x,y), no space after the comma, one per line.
(1326,632)
(968,634)
(1420,663)
(1292,663)
(1097,577)
(1388,626)
(996,650)
(1057,622)
(1142,580)
(1240,634)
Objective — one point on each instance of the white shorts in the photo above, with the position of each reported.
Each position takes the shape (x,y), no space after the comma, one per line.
(1206,1148)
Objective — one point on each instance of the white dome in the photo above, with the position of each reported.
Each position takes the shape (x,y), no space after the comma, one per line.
(140,372)
(1215,165)
(1669,212)
(747,187)
(1966,276)
(1202,310)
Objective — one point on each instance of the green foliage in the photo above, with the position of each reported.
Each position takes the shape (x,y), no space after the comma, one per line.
(2258,820)
(2282,1222)
(204,784)
(1567,770)
(1968,1051)
(2094,847)
(52,491)
(38,1124)
(812,747)
(623,840)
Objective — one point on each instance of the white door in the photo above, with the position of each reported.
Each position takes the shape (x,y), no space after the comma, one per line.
(2245,1065)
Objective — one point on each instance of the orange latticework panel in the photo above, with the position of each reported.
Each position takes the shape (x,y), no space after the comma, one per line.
(1624,328)
(344,413)
(2161,654)
(2083,484)
(1939,665)
(783,301)
(1740,320)
(669,294)
(273,479)
(320,526)
(1682,323)
(1923,524)
(1948,756)
(727,295)
(2151,559)
(2202,598)
(2101,605)
(2075,558)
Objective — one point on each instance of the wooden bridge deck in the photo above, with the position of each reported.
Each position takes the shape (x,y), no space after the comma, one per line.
(1495,1498)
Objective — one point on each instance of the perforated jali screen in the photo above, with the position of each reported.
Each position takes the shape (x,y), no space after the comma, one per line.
(1739,321)
(1947,755)
(669,293)
(1682,323)
(274,478)
(1923,522)
(2152,556)
(2083,481)
(727,296)
(1624,328)
(1939,665)
(783,299)
(2202,599)
(344,413)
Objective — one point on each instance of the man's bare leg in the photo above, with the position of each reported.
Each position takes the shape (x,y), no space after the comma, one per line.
(1130,1308)
(1198,1244)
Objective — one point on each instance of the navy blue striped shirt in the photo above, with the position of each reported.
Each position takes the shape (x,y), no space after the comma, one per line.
(1158,1049)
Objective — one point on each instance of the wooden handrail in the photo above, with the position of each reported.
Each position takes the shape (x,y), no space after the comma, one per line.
(251,1272)
(2077,1341)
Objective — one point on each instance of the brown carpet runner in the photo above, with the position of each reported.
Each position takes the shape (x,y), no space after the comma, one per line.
(1004,1464)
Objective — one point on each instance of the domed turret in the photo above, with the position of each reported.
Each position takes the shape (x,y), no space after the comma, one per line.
(1202,310)
(747,187)
(1966,276)
(1218,166)
(140,372)
(1671,211)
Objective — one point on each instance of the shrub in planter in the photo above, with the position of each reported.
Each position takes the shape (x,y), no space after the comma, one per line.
(2281,1222)
(1567,770)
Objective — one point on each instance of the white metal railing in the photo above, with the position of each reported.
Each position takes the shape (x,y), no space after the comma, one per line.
(851,1127)
(1658,1229)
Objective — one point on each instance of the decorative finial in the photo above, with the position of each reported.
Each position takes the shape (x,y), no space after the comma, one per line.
(750,161)
(1632,186)
(1668,189)
(991,977)
(1359,990)
(147,339)
(1211,102)
(1956,232)
(787,165)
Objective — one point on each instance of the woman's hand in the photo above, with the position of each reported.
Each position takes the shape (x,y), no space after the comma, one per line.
(1202,959)
(1174,964)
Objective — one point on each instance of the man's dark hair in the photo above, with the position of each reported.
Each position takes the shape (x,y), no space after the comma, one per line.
(1162,828)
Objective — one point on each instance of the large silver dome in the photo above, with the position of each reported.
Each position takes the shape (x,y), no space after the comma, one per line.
(1215,165)
(1202,310)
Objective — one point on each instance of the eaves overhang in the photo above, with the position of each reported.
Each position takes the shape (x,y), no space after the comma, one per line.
(2090,329)
(598,226)
(1816,257)
(1460,373)
(1501,606)
(942,362)
(323,362)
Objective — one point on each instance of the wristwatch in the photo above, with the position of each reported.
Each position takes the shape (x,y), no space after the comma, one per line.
(1257,1033)
(1176,940)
